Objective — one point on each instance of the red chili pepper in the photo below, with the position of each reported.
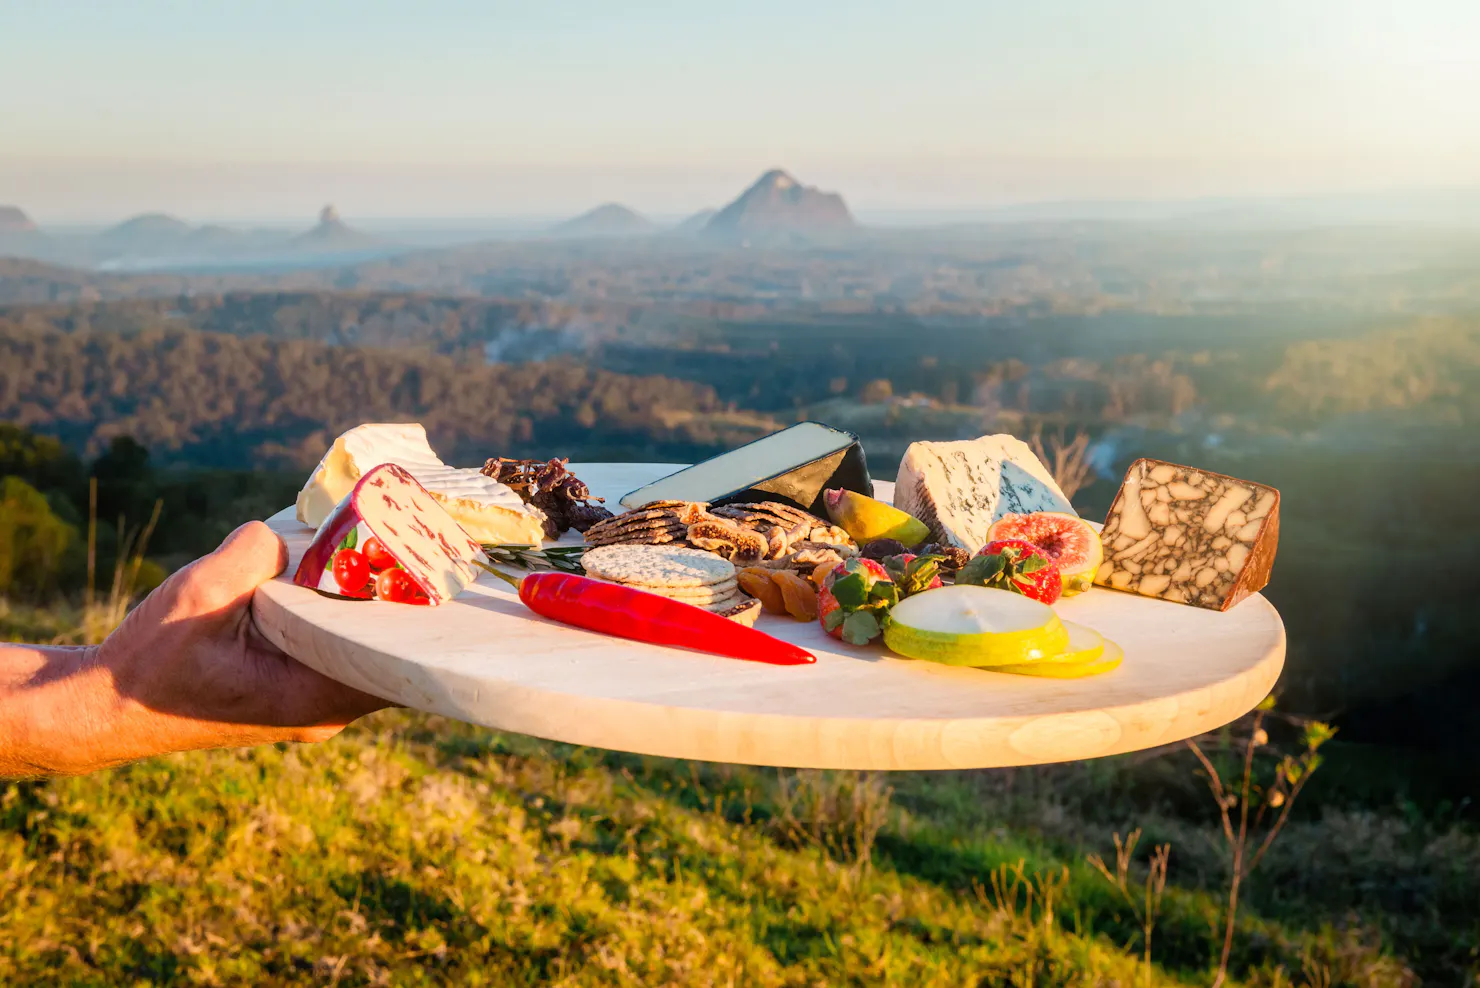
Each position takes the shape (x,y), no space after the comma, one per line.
(623,612)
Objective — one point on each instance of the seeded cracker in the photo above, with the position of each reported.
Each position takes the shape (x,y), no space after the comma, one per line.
(657,566)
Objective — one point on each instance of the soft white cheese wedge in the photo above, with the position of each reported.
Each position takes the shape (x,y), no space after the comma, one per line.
(423,555)
(959,488)
(489,511)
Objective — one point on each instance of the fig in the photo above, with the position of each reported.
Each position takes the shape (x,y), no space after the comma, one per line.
(884,548)
(1068,540)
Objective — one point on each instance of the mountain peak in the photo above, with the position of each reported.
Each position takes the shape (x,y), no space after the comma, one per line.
(776,178)
(13,220)
(333,234)
(778,205)
(611,219)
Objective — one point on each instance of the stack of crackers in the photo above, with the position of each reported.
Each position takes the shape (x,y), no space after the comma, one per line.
(764,532)
(689,575)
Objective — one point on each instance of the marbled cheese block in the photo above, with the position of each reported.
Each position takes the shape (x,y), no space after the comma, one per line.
(959,488)
(1189,536)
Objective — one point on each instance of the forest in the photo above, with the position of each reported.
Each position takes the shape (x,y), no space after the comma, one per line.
(210,409)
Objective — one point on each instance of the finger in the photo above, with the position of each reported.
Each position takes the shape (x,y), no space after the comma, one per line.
(249,557)
(305,697)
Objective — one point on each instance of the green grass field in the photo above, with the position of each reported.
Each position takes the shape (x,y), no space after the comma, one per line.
(418,851)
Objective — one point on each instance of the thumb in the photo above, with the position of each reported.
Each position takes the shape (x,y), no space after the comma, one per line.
(247,558)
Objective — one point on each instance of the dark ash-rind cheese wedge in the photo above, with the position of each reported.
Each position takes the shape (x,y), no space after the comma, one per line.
(1189,536)
(391,540)
(794,465)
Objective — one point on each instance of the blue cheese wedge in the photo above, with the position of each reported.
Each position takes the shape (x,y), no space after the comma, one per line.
(489,511)
(959,488)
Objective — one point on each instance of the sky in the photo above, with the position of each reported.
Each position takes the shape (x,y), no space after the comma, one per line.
(267,109)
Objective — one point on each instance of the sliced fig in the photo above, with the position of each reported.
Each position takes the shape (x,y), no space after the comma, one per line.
(1067,539)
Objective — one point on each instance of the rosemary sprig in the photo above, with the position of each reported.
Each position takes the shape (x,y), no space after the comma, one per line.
(565,558)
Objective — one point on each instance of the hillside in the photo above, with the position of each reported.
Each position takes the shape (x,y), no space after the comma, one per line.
(498,329)
(147,233)
(229,401)
(419,851)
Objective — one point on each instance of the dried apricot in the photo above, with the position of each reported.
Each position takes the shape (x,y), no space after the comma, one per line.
(757,582)
(799,595)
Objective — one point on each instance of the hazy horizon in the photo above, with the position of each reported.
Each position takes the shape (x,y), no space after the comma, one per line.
(454,110)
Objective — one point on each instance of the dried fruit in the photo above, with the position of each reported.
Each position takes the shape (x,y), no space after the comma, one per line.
(952,557)
(757,582)
(549,486)
(799,596)
(884,548)
(1012,564)
(855,600)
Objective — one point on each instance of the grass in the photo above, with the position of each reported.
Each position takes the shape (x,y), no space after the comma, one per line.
(416,850)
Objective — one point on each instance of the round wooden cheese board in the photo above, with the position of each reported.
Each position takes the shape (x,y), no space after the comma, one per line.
(486,659)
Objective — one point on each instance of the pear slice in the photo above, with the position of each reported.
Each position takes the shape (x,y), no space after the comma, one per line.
(867,520)
(975,626)
(1108,659)
(1085,645)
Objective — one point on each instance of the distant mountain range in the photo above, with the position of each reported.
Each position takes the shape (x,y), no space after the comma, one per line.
(158,241)
(776,209)
(776,206)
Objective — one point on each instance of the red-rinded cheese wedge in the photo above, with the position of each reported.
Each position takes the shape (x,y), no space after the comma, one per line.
(390,540)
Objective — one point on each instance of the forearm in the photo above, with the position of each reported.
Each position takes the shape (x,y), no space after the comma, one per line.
(60,713)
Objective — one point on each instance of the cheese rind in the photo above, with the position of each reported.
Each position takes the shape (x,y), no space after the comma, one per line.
(387,504)
(1189,536)
(958,489)
(489,511)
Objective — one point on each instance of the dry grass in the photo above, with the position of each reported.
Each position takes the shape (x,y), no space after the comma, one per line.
(839,813)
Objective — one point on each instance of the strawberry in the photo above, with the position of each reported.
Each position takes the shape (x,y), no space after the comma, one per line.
(853,604)
(914,574)
(1012,564)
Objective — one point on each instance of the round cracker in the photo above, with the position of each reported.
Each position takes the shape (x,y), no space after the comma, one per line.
(657,566)
(709,592)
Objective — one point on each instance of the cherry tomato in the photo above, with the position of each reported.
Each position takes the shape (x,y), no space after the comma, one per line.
(351,571)
(397,586)
(376,555)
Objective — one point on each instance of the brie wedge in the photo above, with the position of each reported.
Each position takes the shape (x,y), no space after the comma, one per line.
(490,512)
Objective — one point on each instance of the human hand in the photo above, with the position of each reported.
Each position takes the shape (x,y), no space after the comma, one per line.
(190,669)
